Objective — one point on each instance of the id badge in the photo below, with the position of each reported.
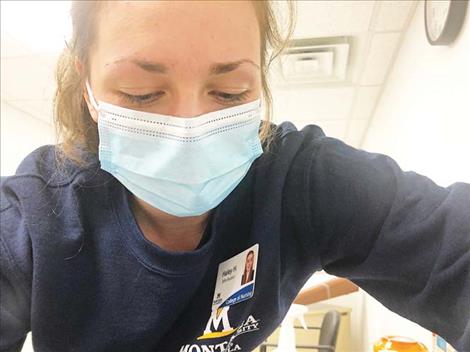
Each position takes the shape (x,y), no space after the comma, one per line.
(236,279)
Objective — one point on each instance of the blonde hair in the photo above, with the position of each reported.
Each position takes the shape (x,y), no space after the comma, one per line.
(74,124)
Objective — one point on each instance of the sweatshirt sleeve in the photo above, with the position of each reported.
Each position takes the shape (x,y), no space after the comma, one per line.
(397,235)
(15,269)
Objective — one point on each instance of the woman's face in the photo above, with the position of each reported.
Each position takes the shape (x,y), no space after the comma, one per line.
(182,58)
(249,262)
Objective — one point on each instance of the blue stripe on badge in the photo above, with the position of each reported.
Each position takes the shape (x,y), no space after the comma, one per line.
(241,295)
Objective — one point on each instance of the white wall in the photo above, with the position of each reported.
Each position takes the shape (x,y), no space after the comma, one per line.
(423,117)
(423,121)
(21,133)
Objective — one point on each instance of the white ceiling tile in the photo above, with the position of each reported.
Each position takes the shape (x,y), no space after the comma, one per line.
(354,143)
(12,47)
(356,130)
(40,109)
(335,129)
(49,60)
(358,53)
(27,77)
(312,104)
(332,18)
(379,58)
(365,101)
(42,26)
(393,15)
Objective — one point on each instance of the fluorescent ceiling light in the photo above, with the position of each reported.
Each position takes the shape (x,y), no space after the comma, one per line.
(41,26)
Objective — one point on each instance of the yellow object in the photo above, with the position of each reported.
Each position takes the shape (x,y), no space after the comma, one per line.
(398,344)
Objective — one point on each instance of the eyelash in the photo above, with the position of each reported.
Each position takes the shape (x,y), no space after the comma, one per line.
(148,98)
(139,99)
(230,98)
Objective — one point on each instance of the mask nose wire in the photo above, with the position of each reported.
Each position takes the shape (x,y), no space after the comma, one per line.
(90,95)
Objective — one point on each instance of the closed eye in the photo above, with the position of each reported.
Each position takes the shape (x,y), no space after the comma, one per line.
(144,99)
(229,97)
(141,99)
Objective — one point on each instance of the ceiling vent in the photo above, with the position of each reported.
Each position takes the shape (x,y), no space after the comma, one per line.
(314,60)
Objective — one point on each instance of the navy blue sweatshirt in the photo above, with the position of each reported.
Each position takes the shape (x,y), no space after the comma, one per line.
(77,271)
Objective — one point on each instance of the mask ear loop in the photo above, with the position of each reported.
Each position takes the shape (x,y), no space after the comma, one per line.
(92,98)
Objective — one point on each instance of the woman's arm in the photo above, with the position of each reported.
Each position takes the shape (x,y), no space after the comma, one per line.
(397,235)
(15,292)
(326,290)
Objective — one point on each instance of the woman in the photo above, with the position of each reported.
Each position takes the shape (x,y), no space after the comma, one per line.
(249,272)
(126,236)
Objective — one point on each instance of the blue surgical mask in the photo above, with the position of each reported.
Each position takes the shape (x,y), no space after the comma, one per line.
(183,166)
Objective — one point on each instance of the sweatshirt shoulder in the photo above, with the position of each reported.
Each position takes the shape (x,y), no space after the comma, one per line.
(42,172)
(47,198)
(311,144)
(285,138)
(292,146)
(287,130)
(50,164)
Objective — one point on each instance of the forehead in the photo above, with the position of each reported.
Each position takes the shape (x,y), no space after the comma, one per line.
(187,34)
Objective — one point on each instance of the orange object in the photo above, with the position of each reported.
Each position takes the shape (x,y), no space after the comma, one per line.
(398,344)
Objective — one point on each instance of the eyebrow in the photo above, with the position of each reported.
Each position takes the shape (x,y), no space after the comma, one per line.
(215,69)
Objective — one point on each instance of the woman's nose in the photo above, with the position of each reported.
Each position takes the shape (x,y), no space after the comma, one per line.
(189,105)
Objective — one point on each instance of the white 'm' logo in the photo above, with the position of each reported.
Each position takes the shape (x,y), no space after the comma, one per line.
(220,315)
